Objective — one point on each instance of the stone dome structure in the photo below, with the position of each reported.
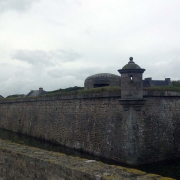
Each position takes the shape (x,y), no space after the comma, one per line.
(102,79)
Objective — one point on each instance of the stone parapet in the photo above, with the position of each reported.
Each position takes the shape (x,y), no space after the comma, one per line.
(112,94)
(152,93)
(23,162)
(63,97)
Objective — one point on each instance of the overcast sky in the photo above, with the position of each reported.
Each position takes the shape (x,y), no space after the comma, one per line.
(58,43)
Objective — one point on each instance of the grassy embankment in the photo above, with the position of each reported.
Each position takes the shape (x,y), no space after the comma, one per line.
(80,90)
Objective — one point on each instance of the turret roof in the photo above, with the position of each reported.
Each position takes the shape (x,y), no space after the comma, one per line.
(131,65)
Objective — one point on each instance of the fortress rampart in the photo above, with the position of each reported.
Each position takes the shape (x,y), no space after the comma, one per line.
(23,162)
(99,124)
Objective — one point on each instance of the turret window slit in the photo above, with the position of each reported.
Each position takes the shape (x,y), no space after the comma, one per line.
(131,78)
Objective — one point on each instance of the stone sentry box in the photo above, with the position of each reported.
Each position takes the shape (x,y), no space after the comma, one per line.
(131,86)
(132,101)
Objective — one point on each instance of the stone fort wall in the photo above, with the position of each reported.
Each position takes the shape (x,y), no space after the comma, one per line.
(23,162)
(98,124)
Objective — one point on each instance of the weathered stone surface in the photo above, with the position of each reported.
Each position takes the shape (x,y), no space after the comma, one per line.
(102,79)
(131,81)
(88,123)
(98,124)
(23,162)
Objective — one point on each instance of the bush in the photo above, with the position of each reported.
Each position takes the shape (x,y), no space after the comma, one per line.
(176,83)
(13,96)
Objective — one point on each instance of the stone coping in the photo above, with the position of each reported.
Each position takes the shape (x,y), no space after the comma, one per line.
(49,164)
(146,93)
(152,93)
(64,97)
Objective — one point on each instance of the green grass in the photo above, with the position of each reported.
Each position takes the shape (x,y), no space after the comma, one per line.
(88,91)
(13,96)
(70,89)
(80,90)
(176,83)
(175,86)
(163,88)
(100,89)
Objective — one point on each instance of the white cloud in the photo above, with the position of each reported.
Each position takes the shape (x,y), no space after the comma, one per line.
(58,43)
(50,58)
(17,5)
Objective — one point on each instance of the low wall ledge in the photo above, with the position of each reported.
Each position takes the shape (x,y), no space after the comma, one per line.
(64,97)
(160,93)
(23,162)
(115,94)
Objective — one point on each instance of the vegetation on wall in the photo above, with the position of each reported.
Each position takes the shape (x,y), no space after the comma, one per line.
(176,83)
(70,89)
(13,96)
(175,86)
(80,90)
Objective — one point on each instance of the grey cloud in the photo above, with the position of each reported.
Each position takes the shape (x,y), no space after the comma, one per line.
(18,5)
(80,73)
(38,57)
(163,69)
(3,64)
(32,57)
(171,70)
(63,55)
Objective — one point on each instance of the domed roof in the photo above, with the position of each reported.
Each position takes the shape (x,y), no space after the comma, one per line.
(131,65)
(101,80)
(102,76)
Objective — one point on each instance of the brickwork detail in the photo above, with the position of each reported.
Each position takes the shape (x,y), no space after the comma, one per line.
(99,125)
(91,124)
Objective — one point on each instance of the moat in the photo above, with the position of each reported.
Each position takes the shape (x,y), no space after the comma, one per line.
(169,168)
